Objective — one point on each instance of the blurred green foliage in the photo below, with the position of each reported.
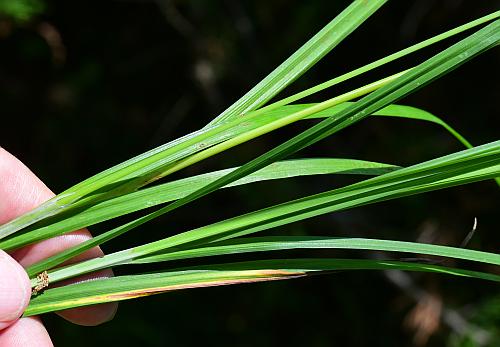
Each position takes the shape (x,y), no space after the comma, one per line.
(22,10)
(485,316)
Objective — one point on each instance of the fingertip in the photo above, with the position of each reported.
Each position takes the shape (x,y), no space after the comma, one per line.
(15,290)
(90,315)
(94,314)
(26,332)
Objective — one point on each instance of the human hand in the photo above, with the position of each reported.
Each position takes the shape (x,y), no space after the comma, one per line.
(21,191)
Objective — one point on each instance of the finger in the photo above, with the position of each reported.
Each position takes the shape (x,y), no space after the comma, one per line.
(15,290)
(90,315)
(25,332)
(31,254)
(22,191)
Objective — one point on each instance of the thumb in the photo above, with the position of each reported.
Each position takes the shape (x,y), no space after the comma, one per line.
(15,290)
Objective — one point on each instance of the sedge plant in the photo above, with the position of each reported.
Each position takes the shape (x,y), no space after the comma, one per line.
(128,187)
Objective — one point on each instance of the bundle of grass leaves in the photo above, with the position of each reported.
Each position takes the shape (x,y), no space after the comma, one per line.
(126,188)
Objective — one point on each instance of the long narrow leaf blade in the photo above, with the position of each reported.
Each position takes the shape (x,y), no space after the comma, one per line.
(279,243)
(303,59)
(377,63)
(135,286)
(395,110)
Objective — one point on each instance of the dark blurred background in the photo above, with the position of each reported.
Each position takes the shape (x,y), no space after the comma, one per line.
(87,84)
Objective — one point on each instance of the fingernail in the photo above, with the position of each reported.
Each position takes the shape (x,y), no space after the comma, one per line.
(14,290)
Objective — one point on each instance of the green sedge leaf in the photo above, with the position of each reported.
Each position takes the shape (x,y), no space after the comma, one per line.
(135,286)
(279,243)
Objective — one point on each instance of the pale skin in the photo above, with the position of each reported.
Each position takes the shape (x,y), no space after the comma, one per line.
(21,191)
